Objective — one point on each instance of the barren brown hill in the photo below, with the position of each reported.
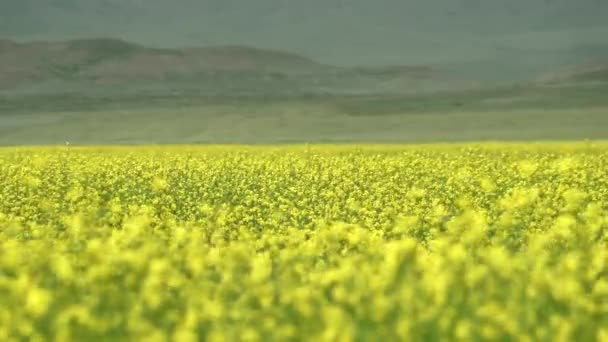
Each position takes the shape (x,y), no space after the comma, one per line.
(112,59)
(215,69)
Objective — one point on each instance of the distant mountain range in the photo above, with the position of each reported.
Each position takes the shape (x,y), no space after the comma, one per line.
(95,63)
(515,35)
(99,59)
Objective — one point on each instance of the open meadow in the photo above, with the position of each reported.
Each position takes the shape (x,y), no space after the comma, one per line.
(522,113)
(464,242)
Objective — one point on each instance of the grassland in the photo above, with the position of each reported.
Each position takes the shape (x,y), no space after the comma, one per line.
(566,112)
(332,243)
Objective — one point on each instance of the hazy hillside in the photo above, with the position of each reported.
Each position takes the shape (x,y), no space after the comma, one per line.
(88,64)
(494,37)
(591,72)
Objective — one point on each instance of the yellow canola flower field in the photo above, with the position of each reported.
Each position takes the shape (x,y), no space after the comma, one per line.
(503,242)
